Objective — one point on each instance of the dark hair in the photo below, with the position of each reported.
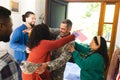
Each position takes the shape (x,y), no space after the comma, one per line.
(39,32)
(102,50)
(4,12)
(68,22)
(5,21)
(26,15)
(5,16)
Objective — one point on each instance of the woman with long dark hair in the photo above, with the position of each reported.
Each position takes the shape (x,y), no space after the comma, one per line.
(92,59)
(40,46)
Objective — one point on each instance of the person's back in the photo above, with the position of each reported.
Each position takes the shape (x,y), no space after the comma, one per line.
(8,66)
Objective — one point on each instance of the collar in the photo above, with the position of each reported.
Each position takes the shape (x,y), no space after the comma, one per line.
(3,48)
(65,35)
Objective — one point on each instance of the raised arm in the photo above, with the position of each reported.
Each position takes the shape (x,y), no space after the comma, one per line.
(60,61)
(15,41)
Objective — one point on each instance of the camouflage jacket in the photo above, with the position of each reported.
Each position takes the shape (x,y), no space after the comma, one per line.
(58,61)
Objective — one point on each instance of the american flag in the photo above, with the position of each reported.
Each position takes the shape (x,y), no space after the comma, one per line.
(81,36)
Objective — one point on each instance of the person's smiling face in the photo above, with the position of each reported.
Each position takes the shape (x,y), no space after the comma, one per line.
(64,30)
(93,44)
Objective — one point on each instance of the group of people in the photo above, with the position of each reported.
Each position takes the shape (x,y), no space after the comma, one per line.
(40,44)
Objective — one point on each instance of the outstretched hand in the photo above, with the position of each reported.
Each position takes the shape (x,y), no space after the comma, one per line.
(41,69)
(76,33)
(71,48)
(79,35)
(28,50)
(27,30)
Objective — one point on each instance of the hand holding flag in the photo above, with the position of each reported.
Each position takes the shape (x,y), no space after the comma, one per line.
(79,35)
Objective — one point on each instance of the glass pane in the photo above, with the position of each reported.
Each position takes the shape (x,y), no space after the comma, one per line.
(108,46)
(85,16)
(107,31)
(109,14)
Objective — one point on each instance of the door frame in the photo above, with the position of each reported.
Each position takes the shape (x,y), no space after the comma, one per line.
(48,9)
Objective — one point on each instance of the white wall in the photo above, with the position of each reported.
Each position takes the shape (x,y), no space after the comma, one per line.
(40,9)
(36,6)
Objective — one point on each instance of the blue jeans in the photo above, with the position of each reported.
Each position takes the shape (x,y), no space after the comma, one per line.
(19,70)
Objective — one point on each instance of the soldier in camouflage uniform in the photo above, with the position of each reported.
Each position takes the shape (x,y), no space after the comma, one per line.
(60,56)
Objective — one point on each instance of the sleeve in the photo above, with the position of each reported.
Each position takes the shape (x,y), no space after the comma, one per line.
(52,45)
(14,41)
(8,68)
(84,48)
(87,63)
(59,62)
(29,67)
(77,58)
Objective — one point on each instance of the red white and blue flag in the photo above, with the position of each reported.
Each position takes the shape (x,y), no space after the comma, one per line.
(81,36)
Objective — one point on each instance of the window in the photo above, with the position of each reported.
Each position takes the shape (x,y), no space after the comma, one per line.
(85,16)
(108,23)
(95,18)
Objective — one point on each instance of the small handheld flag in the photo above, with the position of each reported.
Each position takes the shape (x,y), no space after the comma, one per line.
(81,36)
